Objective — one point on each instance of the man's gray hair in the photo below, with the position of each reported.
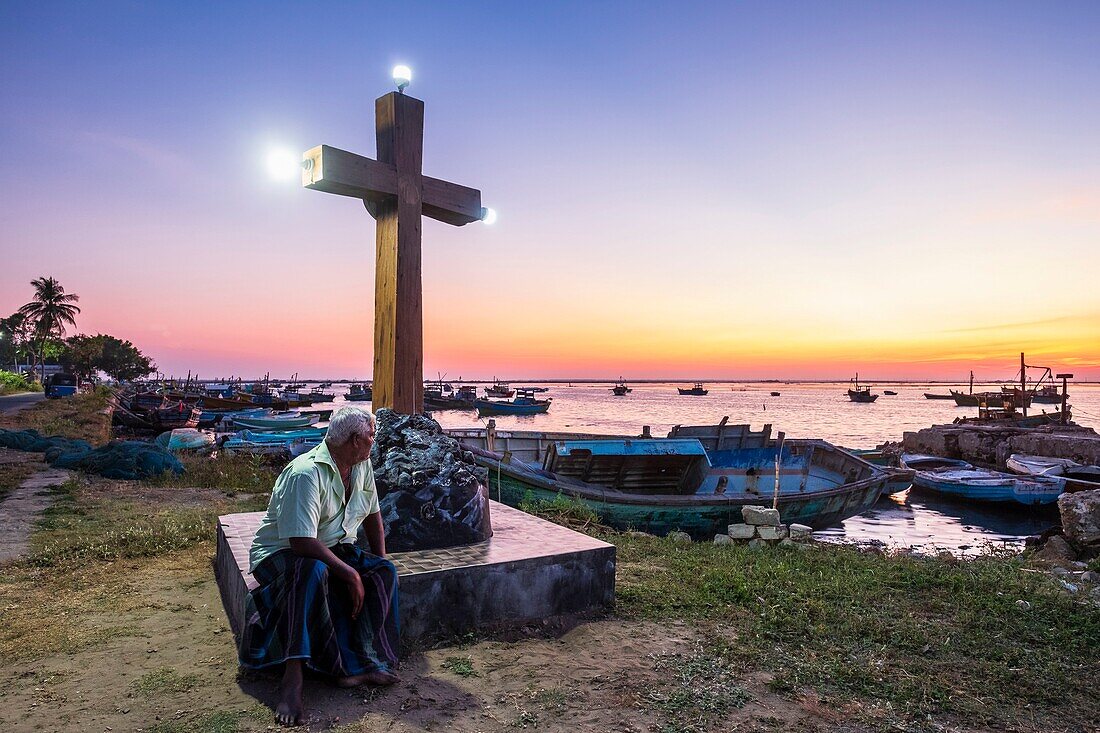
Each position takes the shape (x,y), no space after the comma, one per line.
(348,422)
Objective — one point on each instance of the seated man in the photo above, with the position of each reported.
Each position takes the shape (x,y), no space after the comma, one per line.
(322,601)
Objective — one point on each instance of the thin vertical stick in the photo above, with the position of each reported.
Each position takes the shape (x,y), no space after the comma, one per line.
(778,462)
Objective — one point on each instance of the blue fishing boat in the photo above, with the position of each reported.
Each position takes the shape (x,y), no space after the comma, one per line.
(288,421)
(696,481)
(921,462)
(524,403)
(898,478)
(283,436)
(991,486)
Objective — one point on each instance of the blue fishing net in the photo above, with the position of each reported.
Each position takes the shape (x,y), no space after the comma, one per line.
(128,460)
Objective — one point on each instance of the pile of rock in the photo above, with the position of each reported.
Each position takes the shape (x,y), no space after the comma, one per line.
(431,492)
(763,526)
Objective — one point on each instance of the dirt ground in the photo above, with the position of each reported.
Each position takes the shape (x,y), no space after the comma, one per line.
(165,661)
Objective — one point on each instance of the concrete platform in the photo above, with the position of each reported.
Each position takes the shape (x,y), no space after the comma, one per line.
(529,570)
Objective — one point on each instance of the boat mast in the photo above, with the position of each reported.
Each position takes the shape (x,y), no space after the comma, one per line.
(1023,383)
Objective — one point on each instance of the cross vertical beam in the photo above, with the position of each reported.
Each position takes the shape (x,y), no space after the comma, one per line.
(398,300)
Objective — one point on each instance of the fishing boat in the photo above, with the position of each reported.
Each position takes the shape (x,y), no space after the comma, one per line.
(921,462)
(184,439)
(696,390)
(318,394)
(282,436)
(934,396)
(1048,395)
(775,394)
(275,422)
(620,389)
(991,486)
(524,403)
(889,392)
(697,480)
(857,393)
(1078,477)
(499,389)
(436,399)
(359,393)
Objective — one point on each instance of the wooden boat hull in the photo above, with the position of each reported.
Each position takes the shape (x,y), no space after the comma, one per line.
(934,396)
(991,487)
(861,397)
(488,407)
(267,424)
(701,517)
(362,397)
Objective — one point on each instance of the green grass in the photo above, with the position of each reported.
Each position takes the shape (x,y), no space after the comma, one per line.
(462,666)
(164,681)
(929,636)
(229,473)
(81,417)
(561,509)
(701,689)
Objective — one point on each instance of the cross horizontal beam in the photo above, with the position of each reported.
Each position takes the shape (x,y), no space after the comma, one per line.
(346,174)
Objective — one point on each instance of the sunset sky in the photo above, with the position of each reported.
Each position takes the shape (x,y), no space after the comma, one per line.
(708,190)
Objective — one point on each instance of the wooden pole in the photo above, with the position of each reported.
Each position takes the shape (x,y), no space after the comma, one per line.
(1023,383)
(398,303)
(778,463)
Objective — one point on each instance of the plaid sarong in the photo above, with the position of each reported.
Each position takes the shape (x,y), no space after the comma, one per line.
(299,612)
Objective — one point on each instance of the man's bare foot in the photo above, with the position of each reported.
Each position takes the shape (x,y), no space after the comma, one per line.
(378,677)
(289,710)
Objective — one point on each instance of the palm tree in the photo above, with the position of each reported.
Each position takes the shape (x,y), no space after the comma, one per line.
(51,312)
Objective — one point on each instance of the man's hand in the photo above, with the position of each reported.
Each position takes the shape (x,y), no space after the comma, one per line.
(355,589)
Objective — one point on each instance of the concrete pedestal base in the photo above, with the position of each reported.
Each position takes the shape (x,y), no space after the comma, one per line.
(530,569)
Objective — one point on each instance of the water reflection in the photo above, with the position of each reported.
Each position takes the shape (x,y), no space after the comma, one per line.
(929,522)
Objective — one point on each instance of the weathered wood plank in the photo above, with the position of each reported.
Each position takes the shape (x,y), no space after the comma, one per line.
(346,174)
(398,302)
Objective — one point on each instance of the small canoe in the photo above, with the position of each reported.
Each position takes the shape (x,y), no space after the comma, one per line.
(283,436)
(275,422)
(991,486)
(920,462)
(889,392)
(1038,465)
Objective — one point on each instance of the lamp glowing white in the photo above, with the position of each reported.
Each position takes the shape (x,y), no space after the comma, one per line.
(283,164)
(488,216)
(402,75)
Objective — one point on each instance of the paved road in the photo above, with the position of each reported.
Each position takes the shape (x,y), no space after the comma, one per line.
(15,402)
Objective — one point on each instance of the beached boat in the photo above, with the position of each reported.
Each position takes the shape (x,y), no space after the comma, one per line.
(359,393)
(991,486)
(1078,477)
(857,393)
(282,436)
(696,481)
(524,403)
(184,439)
(289,421)
(696,390)
(921,462)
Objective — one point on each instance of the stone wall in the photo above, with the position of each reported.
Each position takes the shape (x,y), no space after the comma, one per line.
(990,446)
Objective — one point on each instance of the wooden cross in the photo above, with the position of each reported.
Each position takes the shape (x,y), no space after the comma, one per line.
(396,194)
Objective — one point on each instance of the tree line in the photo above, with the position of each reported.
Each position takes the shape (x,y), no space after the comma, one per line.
(36,333)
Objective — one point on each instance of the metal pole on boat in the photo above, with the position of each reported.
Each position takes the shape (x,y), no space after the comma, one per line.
(778,462)
(1023,382)
(1065,395)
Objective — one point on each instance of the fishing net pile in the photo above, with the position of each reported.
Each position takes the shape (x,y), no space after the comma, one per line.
(128,460)
(431,492)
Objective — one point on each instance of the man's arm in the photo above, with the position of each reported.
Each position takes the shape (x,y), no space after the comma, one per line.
(313,548)
(376,533)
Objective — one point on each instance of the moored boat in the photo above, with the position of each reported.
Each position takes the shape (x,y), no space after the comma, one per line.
(976,484)
(359,393)
(524,403)
(275,422)
(696,481)
(499,389)
(856,393)
(1078,477)
(620,389)
(921,462)
(889,392)
(934,396)
(696,390)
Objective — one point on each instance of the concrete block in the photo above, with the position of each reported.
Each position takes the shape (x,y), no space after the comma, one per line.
(760,516)
(801,532)
(741,531)
(529,570)
(772,534)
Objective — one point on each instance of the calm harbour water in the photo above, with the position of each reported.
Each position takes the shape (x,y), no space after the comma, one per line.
(911,519)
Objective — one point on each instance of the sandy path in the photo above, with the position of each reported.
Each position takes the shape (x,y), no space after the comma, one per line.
(20,509)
